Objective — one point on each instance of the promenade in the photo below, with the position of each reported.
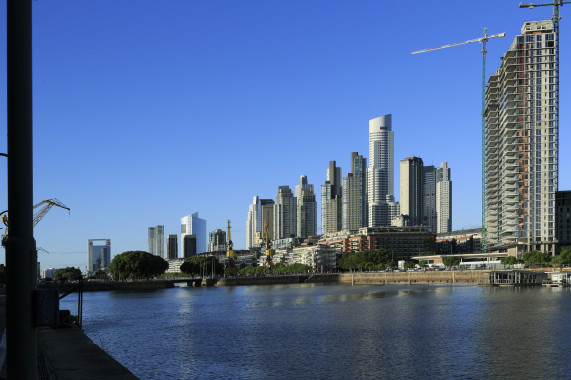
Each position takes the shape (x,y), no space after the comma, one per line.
(68,354)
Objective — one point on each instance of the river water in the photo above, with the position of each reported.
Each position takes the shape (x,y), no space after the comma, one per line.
(334,331)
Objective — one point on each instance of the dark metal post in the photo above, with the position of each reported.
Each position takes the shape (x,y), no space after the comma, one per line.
(21,263)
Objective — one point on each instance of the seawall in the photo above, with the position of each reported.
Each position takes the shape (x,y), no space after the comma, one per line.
(428,277)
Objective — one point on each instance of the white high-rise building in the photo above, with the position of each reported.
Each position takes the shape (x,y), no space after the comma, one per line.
(443,199)
(306,209)
(521,143)
(157,241)
(285,214)
(193,225)
(380,174)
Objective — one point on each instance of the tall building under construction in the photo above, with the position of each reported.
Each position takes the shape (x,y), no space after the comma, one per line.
(521,143)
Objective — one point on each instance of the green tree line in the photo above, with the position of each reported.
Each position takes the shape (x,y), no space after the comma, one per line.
(137,265)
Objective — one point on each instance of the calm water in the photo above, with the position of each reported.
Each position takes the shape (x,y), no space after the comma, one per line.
(334,331)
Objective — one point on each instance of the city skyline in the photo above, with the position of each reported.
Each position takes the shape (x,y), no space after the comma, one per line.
(189,88)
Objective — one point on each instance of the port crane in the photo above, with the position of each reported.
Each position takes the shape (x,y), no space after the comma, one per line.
(483,40)
(47,205)
(269,251)
(230,254)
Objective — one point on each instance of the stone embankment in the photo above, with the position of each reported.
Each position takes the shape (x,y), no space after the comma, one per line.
(427,277)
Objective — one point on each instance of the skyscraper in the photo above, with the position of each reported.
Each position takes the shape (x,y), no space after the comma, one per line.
(259,211)
(306,209)
(521,143)
(152,240)
(285,210)
(331,200)
(411,189)
(352,202)
(443,199)
(359,170)
(172,247)
(160,250)
(193,225)
(429,198)
(98,255)
(380,174)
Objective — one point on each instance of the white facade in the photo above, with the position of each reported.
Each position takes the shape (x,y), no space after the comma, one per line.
(380,174)
(317,257)
(193,225)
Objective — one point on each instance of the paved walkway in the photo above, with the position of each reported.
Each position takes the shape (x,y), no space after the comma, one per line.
(70,354)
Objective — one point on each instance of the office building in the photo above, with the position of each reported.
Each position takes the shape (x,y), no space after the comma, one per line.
(411,189)
(429,197)
(331,200)
(306,209)
(285,214)
(98,254)
(172,247)
(521,143)
(193,225)
(443,199)
(380,174)
(352,200)
(217,241)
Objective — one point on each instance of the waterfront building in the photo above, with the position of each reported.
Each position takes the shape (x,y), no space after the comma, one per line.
(402,242)
(563,217)
(217,241)
(401,221)
(331,200)
(306,209)
(193,225)
(380,174)
(317,257)
(285,213)
(411,189)
(172,247)
(461,242)
(152,240)
(174,264)
(48,273)
(429,217)
(521,143)
(359,170)
(443,199)
(98,255)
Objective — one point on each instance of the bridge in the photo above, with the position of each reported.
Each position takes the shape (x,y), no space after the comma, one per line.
(194,281)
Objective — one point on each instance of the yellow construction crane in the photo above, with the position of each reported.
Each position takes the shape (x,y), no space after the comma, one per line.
(231,254)
(48,204)
(269,251)
(483,40)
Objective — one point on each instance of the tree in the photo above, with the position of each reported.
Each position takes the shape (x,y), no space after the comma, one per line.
(564,258)
(409,264)
(137,264)
(368,260)
(451,262)
(198,265)
(67,274)
(536,258)
(423,263)
(510,260)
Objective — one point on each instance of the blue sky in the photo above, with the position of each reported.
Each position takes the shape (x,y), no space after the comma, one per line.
(148,111)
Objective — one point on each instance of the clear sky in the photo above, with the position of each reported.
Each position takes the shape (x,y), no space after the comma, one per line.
(147,111)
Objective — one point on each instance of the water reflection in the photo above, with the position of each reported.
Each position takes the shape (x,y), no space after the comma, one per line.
(332,331)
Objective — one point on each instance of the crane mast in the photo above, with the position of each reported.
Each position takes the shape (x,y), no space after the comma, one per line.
(484,41)
(231,254)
